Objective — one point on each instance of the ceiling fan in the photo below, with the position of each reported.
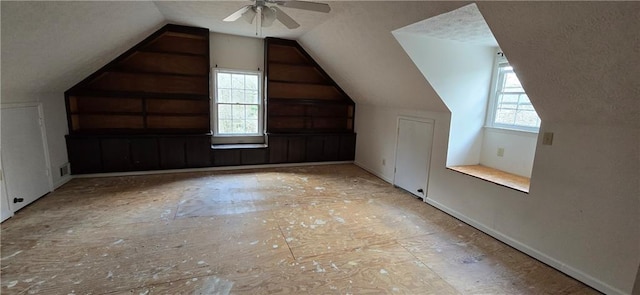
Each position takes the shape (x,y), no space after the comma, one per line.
(268,11)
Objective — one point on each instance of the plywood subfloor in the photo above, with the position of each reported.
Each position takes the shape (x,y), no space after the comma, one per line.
(496,176)
(305,230)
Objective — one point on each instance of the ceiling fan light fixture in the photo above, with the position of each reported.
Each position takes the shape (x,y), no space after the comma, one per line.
(268,16)
(249,15)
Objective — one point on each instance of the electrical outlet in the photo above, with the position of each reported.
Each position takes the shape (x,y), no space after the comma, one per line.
(500,152)
(547,138)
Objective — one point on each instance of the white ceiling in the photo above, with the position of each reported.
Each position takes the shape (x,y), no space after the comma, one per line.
(209,14)
(464,24)
(577,60)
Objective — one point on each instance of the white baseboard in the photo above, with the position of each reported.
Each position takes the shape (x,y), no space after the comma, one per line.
(560,266)
(205,169)
(374,172)
(62,181)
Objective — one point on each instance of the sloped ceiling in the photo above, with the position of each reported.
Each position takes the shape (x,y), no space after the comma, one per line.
(50,46)
(577,60)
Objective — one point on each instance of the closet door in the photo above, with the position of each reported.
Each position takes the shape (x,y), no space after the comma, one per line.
(24,158)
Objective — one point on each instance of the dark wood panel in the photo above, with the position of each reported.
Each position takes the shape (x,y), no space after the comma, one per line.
(173,106)
(138,82)
(294,73)
(172,153)
(285,54)
(303,91)
(285,123)
(285,109)
(278,148)
(115,154)
(226,157)
(179,122)
(347,147)
(315,146)
(253,156)
(80,122)
(179,44)
(331,148)
(104,104)
(198,151)
(84,155)
(145,154)
(165,63)
(297,149)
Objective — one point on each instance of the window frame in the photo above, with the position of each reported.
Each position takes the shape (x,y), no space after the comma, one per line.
(492,107)
(224,138)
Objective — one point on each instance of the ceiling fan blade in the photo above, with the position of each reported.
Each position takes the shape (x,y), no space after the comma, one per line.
(306,5)
(285,19)
(236,15)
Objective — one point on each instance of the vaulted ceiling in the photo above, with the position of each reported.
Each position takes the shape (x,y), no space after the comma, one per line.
(577,60)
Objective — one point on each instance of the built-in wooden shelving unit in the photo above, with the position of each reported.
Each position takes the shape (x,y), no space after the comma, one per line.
(159,86)
(148,109)
(301,97)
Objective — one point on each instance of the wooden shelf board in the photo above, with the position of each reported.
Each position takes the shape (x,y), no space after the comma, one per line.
(300,83)
(130,94)
(171,52)
(157,73)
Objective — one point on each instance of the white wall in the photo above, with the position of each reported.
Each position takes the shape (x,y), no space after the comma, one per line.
(581,215)
(47,47)
(519,150)
(236,52)
(461,75)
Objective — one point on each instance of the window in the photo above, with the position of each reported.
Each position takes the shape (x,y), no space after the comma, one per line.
(509,106)
(237,107)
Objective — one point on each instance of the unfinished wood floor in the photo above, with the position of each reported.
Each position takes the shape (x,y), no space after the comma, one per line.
(304,230)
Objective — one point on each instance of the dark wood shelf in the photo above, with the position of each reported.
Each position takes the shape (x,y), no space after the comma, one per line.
(278,100)
(292,64)
(178,114)
(107,113)
(300,83)
(172,52)
(87,94)
(159,73)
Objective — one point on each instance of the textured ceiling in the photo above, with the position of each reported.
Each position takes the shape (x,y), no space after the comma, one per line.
(209,14)
(464,24)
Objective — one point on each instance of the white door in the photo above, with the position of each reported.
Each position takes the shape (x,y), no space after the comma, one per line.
(5,211)
(413,154)
(24,159)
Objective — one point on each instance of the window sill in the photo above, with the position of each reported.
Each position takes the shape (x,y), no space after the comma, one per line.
(238,146)
(512,131)
(499,177)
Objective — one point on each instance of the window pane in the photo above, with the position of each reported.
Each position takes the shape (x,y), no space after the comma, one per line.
(224,111)
(511,83)
(237,96)
(252,126)
(237,81)
(252,112)
(239,126)
(238,112)
(505,116)
(224,95)
(225,126)
(251,97)
(251,82)
(527,118)
(224,80)
(508,98)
